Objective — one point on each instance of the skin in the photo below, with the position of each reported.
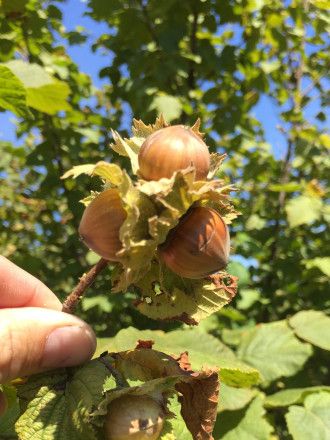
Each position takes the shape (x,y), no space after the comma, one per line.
(35,335)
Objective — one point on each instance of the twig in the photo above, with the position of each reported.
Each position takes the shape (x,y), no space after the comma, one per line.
(85,281)
(120,380)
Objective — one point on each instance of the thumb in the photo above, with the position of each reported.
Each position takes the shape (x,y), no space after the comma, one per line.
(36,339)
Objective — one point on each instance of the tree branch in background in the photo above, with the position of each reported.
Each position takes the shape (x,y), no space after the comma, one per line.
(149,24)
(86,280)
(193,50)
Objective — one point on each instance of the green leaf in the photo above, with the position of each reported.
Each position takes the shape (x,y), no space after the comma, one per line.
(255,222)
(247,297)
(238,270)
(8,419)
(290,396)
(59,403)
(321,263)
(31,75)
(245,424)
(232,336)
(50,98)
(13,5)
(286,187)
(303,210)
(175,428)
(232,371)
(12,93)
(232,398)
(312,326)
(169,106)
(311,421)
(273,350)
(175,342)
(100,301)
(237,374)
(270,66)
(43,92)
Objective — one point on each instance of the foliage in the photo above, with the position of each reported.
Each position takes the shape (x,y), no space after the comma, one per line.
(213,60)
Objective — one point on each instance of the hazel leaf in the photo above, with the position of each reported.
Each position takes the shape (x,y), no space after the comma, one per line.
(59,403)
(168,296)
(215,164)
(140,129)
(175,427)
(231,371)
(109,172)
(312,420)
(274,350)
(127,147)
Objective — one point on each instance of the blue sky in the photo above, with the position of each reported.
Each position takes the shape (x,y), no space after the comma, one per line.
(90,63)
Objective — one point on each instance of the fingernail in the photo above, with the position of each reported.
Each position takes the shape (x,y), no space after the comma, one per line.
(68,346)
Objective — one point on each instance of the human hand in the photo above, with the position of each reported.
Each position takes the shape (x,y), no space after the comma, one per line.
(34,334)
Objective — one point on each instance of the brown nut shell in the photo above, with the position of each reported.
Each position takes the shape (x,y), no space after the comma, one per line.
(134,418)
(101,222)
(171,149)
(198,246)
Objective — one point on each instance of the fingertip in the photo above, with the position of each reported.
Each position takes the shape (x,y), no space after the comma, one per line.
(36,339)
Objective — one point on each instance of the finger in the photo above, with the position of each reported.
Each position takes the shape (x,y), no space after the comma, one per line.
(36,339)
(20,289)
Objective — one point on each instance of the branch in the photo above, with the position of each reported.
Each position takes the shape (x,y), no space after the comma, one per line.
(193,50)
(85,281)
(314,83)
(148,23)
